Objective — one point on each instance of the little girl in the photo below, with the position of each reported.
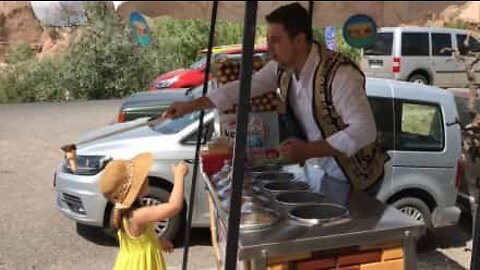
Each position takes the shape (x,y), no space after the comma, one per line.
(123,183)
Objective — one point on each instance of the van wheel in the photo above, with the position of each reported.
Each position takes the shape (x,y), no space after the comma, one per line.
(416,209)
(168,228)
(418,78)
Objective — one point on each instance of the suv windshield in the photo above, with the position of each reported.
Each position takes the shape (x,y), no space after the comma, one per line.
(382,46)
(176,125)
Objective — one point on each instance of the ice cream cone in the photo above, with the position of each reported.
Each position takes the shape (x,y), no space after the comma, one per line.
(72,160)
(71,155)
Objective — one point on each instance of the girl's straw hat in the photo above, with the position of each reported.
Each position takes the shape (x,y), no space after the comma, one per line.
(122,179)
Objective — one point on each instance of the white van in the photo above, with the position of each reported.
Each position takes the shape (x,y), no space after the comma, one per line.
(415,54)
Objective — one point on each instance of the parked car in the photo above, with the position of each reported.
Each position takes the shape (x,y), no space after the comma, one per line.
(417,124)
(149,104)
(194,75)
(415,54)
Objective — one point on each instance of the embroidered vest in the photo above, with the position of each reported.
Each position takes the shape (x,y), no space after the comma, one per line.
(365,167)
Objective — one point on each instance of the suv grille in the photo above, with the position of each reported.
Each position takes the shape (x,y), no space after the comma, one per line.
(74,203)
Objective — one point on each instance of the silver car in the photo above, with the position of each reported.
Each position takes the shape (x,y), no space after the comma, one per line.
(415,54)
(417,124)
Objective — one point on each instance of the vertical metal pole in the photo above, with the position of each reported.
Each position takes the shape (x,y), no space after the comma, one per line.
(475,260)
(310,11)
(199,139)
(410,251)
(241,134)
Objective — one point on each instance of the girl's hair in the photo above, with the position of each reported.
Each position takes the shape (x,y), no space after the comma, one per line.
(118,214)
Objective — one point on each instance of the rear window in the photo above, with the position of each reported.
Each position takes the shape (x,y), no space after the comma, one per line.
(421,127)
(382,45)
(382,109)
(440,42)
(415,44)
(473,44)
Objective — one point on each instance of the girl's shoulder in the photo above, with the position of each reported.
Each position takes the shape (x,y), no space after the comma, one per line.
(133,229)
(130,229)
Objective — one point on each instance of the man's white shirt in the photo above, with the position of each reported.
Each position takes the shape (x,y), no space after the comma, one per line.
(348,96)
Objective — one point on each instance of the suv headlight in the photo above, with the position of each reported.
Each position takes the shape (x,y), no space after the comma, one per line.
(87,165)
(168,82)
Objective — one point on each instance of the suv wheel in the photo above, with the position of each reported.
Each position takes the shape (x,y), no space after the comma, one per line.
(416,209)
(166,228)
(419,79)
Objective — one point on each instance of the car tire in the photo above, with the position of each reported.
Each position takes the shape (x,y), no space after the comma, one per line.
(419,78)
(169,228)
(416,209)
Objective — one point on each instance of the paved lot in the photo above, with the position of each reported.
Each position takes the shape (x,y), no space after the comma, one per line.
(33,235)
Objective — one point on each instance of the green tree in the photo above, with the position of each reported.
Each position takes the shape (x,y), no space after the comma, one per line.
(19,52)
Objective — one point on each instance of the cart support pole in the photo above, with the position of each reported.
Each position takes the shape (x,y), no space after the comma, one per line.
(188,227)
(241,134)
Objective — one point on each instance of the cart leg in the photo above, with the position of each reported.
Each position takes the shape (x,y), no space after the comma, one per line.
(213,229)
(410,252)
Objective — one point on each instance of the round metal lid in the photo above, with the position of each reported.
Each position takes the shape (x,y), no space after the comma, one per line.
(266,168)
(282,186)
(319,213)
(257,219)
(275,176)
(299,198)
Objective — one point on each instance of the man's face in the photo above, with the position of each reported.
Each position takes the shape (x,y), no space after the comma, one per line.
(281,46)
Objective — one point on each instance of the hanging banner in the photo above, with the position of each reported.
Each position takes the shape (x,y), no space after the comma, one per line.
(139,29)
(330,35)
(360,31)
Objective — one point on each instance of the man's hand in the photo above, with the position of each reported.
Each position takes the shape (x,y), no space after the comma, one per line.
(294,150)
(298,151)
(179,109)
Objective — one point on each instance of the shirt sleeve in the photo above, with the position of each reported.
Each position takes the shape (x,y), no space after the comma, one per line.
(351,103)
(263,81)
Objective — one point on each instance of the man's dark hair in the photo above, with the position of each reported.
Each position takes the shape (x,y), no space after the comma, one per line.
(294,17)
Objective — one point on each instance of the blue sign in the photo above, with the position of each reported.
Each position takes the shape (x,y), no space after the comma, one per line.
(139,29)
(360,31)
(330,32)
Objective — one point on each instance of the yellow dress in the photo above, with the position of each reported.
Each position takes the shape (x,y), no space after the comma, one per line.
(139,253)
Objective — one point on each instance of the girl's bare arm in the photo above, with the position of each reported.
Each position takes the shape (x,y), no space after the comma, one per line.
(145,215)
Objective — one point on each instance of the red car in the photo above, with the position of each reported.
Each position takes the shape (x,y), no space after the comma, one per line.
(194,75)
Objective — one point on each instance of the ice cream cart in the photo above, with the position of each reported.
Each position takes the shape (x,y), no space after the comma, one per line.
(285,226)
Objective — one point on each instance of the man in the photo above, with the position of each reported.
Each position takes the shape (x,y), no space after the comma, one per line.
(326,111)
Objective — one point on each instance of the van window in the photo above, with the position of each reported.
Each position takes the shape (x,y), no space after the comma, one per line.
(421,127)
(415,44)
(382,45)
(473,44)
(439,42)
(382,109)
